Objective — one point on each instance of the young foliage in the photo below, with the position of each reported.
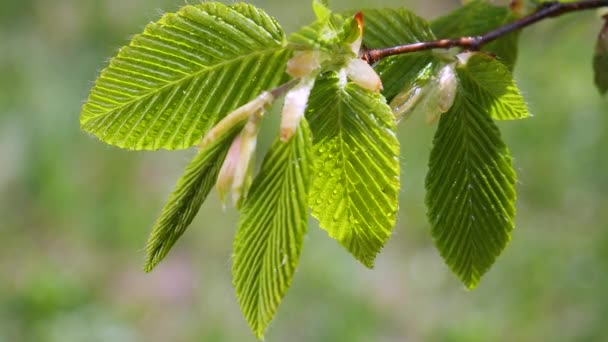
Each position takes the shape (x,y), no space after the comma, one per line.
(491,84)
(206,75)
(327,35)
(471,181)
(356,167)
(273,222)
(174,81)
(185,201)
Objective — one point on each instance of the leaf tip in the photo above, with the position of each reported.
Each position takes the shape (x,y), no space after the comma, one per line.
(471,286)
(359,21)
(369,264)
(321,9)
(149,264)
(471,282)
(153,257)
(366,259)
(148,267)
(259,332)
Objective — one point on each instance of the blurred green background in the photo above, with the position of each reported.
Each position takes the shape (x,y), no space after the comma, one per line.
(75,213)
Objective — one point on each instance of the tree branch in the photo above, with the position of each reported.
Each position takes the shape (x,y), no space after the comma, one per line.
(545,11)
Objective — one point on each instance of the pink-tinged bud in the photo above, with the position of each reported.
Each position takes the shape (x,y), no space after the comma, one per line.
(356,45)
(226,174)
(295,107)
(303,63)
(364,75)
(243,173)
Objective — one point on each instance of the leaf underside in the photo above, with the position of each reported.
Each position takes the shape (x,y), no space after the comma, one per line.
(185,201)
(470,188)
(272,225)
(356,168)
(183,74)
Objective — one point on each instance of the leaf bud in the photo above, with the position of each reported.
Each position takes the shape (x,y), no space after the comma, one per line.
(303,63)
(295,107)
(226,174)
(405,102)
(448,85)
(243,172)
(441,93)
(355,45)
(255,107)
(364,75)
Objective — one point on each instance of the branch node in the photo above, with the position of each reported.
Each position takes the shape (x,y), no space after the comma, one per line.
(475,43)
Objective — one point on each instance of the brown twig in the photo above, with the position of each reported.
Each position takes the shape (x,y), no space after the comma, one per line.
(283,88)
(545,11)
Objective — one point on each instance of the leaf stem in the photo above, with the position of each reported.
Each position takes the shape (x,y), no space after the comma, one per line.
(545,11)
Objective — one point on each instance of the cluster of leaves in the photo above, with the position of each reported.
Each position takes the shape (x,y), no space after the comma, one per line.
(206,74)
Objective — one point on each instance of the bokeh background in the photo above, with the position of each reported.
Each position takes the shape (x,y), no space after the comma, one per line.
(75,213)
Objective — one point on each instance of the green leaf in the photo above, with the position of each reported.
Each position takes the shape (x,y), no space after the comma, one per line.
(183,74)
(600,60)
(474,18)
(332,35)
(402,72)
(398,26)
(185,201)
(477,18)
(394,26)
(321,35)
(470,188)
(493,86)
(321,9)
(271,228)
(355,189)
(505,48)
